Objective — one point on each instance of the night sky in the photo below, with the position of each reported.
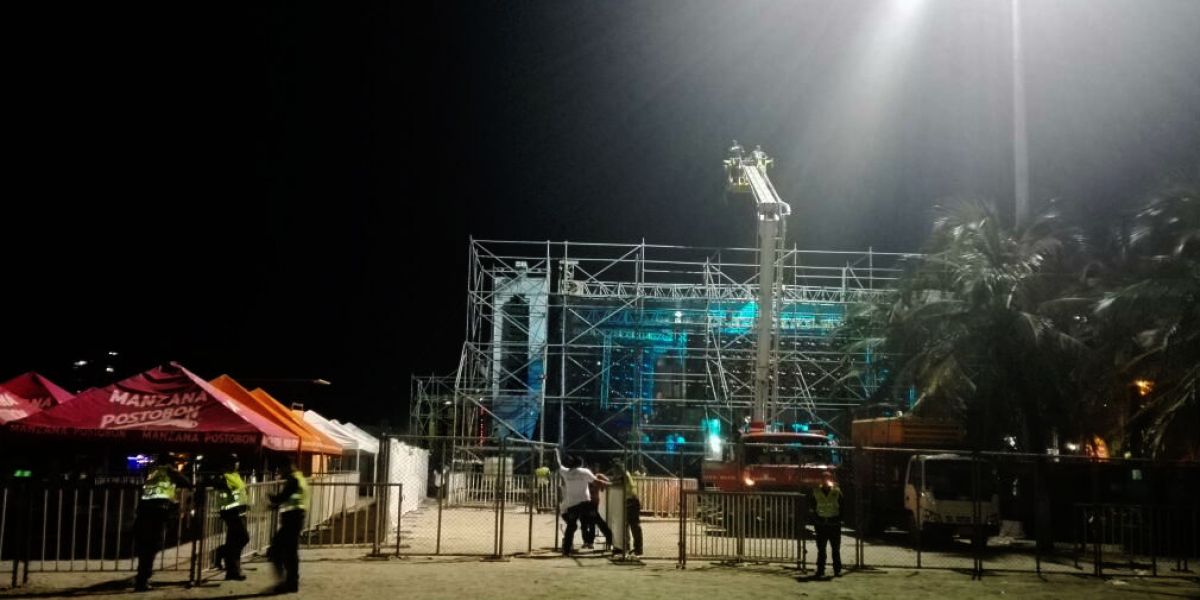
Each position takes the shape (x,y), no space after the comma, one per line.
(286,191)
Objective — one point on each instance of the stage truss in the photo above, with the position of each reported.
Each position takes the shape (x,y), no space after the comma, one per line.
(639,348)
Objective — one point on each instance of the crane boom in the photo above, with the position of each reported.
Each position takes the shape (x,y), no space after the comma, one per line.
(747,174)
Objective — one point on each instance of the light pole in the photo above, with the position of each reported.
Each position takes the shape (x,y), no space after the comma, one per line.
(294,381)
(1020,141)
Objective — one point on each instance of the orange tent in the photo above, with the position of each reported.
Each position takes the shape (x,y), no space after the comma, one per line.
(276,413)
(270,400)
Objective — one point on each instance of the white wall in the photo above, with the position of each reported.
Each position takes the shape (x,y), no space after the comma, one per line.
(408,466)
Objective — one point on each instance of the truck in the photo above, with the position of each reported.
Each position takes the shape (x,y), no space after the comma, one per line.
(765,461)
(908,476)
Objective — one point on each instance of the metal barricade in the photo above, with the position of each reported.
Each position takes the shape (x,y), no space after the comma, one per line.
(343,513)
(49,528)
(487,500)
(660,495)
(743,526)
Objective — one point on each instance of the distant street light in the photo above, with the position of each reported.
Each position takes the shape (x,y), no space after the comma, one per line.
(296,382)
(324,382)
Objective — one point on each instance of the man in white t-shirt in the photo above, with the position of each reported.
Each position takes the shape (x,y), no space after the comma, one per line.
(576,501)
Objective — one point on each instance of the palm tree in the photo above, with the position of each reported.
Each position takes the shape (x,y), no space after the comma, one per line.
(980,327)
(1149,324)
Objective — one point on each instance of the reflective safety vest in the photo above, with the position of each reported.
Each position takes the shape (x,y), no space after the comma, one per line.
(630,486)
(299,499)
(234,494)
(827,504)
(159,485)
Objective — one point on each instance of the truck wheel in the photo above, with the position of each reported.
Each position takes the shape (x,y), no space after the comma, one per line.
(914,537)
(937,536)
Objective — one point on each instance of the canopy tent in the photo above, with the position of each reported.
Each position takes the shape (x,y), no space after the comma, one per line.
(368,440)
(14,407)
(166,404)
(326,444)
(355,443)
(349,440)
(272,411)
(37,390)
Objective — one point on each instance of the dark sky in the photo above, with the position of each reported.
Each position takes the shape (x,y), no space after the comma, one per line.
(286,191)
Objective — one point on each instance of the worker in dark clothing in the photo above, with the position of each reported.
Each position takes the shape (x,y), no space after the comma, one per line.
(160,497)
(827,506)
(292,502)
(633,508)
(594,520)
(234,502)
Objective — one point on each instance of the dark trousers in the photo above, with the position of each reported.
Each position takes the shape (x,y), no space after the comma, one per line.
(587,527)
(585,512)
(633,518)
(236,538)
(831,532)
(285,547)
(148,528)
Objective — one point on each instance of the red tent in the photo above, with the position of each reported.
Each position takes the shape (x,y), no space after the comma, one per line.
(37,390)
(14,407)
(165,404)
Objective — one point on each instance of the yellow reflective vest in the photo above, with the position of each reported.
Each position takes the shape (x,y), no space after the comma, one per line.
(828,505)
(234,494)
(299,499)
(159,485)
(630,485)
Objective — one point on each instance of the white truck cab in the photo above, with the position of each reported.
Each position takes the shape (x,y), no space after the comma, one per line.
(944,505)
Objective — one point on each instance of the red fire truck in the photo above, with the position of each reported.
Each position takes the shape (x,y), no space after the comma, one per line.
(763,461)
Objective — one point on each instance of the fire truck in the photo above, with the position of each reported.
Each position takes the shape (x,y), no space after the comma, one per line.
(764,461)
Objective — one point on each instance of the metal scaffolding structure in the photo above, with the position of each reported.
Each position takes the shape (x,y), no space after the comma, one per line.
(431,401)
(636,348)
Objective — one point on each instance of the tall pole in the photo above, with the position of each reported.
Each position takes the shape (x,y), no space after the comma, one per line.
(1020,141)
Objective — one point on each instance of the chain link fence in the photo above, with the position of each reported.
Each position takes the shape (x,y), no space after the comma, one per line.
(973,512)
(46,528)
(906,508)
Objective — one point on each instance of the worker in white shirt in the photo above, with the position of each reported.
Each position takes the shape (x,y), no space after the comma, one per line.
(577,502)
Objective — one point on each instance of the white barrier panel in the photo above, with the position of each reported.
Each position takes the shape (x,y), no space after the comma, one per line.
(408,466)
(328,501)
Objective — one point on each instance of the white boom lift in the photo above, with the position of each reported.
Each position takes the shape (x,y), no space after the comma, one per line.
(747,174)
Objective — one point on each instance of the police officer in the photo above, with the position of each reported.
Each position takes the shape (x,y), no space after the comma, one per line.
(292,502)
(233,501)
(827,505)
(159,499)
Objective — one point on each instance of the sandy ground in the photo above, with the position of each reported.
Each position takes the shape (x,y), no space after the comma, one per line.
(470,531)
(344,574)
(330,574)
